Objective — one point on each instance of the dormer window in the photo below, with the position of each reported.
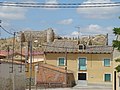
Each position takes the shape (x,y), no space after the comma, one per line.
(82,47)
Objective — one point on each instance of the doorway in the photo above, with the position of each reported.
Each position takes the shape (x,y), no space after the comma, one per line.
(82,76)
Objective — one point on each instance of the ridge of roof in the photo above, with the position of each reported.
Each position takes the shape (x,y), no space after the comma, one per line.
(73,46)
(59,69)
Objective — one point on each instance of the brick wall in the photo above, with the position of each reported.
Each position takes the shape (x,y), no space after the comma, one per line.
(52,76)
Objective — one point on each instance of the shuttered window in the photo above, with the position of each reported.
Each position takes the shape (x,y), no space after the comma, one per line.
(61,61)
(107,77)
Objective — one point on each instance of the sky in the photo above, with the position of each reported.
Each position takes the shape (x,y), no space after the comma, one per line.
(65,22)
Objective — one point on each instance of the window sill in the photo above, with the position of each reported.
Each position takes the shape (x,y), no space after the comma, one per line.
(82,70)
(107,66)
(61,65)
(107,81)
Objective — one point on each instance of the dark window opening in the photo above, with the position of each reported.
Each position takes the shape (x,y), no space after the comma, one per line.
(82,76)
(81,47)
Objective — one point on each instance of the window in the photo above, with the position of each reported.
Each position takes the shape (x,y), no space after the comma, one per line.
(82,64)
(61,61)
(107,77)
(80,47)
(106,62)
(119,81)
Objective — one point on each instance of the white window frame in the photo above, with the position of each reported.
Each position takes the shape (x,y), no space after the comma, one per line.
(58,61)
(119,81)
(103,62)
(104,77)
(78,63)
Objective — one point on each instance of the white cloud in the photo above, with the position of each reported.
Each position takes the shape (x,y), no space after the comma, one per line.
(12,13)
(75,33)
(96,29)
(92,29)
(66,21)
(98,12)
(51,2)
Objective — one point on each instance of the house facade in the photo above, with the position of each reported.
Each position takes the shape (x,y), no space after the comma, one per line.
(12,70)
(12,79)
(90,64)
(116,75)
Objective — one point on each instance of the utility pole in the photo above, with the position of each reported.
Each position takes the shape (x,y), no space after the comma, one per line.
(12,67)
(0,34)
(107,39)
(0,39)
(66,65)
(30,72)
(13,62)
(13,52)
(22,40)
(13,45)
(8,50)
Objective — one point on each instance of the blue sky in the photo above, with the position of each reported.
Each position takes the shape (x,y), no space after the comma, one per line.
(64,21)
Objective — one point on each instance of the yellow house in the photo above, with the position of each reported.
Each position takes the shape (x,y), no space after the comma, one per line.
(89,64)
(116,75)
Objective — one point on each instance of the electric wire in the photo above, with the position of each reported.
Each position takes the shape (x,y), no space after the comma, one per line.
(37,3)
(60,5)
(6,30)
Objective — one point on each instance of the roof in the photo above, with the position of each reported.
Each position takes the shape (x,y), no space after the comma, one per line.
(10,61)
(2,56)
(72,46)
(5,53)
(55,68)
(36,60)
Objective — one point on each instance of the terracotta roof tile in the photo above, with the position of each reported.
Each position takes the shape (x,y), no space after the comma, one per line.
(5,53)
(72,46)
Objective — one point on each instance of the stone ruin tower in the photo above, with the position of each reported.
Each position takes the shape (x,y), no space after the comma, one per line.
(50,35)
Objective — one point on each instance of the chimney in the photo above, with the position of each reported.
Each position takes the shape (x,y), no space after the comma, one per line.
(107,39)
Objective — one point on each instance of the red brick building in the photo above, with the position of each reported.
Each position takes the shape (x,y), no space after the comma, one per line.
(52,76)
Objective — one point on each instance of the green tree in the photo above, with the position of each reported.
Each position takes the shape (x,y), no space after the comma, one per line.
(116,44)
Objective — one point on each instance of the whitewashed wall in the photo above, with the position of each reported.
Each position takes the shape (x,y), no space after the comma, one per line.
(12,81)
